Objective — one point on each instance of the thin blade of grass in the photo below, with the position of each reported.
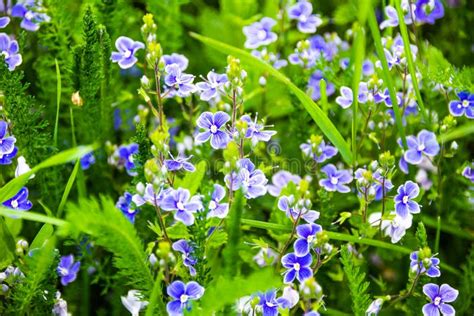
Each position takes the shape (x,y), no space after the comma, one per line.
(68,188)
(58,103)
(32,216)
(321,119)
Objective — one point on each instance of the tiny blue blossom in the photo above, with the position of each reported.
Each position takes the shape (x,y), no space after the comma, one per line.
(306,237)
(468,172)
(147,195)
(374,307)
(125,204)
(392,18)
(211,88)
(394,228)
(19,201)
(186,249)
(181,83)
(9,49)
(336,179)
(4,21)
(216,208)
(182,294)
(297,267)
(127,48)
(251,180)
(213,125)
(314,85)
(346,98)
(183,204)
(260,33)
(428,11)
(295,209)
(255,131)
(280,180)
(428,266)
(68,269)
(319,152)
(404,203)
(271,58)
(269,303)
(302,12)
(439,297)
(30,12)
(463,106)
(6,159)
(424,143)
(178,163)
(125,155)
(177,59)
(87,161)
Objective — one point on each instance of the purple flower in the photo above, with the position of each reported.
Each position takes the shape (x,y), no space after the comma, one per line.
(367,68)
(177,59)
(213,123)
(271,58)
(269,303)
(124,204)
(424,143)
(182,294)
(306,238)
(314,85)
(374,307)
(68,269)
(125,57)
(255,131)
(210,89)
(374,186)
(259,33)
(87,160)
(6,159)
(463,106)
(319,152)
(392,18)
(280,180)
(430,266)
(307,22)
(429,10)
(252,181)
(305,57)
(216,208)
(148,195)
(297,267)
(439,296)
(468,173)
(9,49)
(178,163)
(179,200)
(185,248)
(4,21)
(294,210)
(336,179)
(404,203)
(346,98)
(20,201)
(31,15)
(182,83)
(7,143)
(125,155)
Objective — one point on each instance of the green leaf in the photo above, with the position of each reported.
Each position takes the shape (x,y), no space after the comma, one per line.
(44,233)
(321,119)
(68,188)
(458,132)
(192,180)
(15,185)
(7,245)
(156,305)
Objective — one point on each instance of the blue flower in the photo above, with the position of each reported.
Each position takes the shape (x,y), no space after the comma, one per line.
(68,269)
(20,201)
(7,143)
(306,238)
(252,181)
(213,124)
(463,106)
(259,33)
(31,14)
(87,161)
(430,266)
(468,173)
(307,22)
(185,248)
(336,179)
(424,143)
(216,208)
(125,155)
(374,307)
(255,130)
(428,11)
(125,57)
(320,152)
(280,180)
(4,21)
(6,159)
(392,18)
(181,83)
(297,267)
(178,163)
(314,85)
(124,204)
(269,303)
(439,296)
(210,89)
(182,295)
(346,98)
(294,210)
(177,59)
(404,203)
(179,200)
(9,49)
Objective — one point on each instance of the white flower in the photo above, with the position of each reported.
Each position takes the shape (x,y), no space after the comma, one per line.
(22,167)
(133,302)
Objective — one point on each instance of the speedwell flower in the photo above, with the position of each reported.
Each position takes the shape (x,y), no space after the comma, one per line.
(297,267)
(180,201)
(424,143)
(463,106)
(9,49)
(336,179)
(125,57)
(430,266)
(182,295)
(260,33)
(216,208)
(20,201)
(306,237)
(68,269)
(302,12)
(186,249)
(439,296)
(404,203)
(213,125)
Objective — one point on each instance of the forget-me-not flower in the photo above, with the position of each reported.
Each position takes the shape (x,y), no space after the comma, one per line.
(127,48)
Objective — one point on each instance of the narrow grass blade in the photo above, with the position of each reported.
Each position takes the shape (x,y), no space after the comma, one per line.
(321,119)
(32,216)
(457,133)
(68,188)
(58,103)
(374,28)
